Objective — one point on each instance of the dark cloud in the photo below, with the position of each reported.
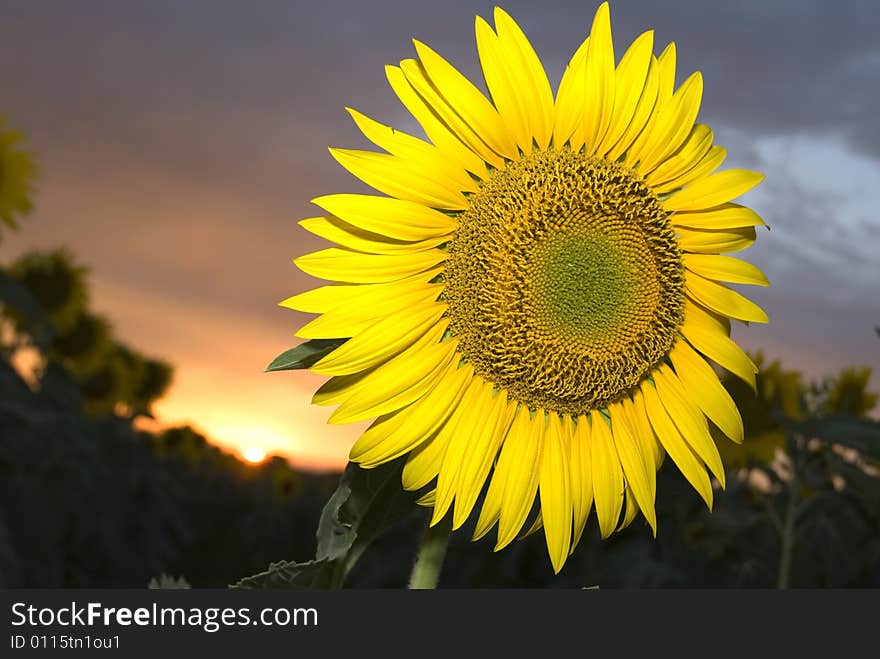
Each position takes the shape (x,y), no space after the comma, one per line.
(781,66)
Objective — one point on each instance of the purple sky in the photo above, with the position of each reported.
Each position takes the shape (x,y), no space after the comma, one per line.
(180,143)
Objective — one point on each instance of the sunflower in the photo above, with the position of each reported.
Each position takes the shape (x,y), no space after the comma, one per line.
(17,173)
(530,306)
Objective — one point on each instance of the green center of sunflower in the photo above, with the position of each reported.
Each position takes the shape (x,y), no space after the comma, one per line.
(564,281)
(584,285)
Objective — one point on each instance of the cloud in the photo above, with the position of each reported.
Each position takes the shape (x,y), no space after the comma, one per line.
(820,256)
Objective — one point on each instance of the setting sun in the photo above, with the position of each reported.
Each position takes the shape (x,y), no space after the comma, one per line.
(254,454)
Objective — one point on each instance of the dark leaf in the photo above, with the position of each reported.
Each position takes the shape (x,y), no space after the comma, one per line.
(287,574)
(304,355)
(366,502)
(374,500)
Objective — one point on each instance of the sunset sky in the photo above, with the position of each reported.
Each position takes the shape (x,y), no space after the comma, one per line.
(180,143)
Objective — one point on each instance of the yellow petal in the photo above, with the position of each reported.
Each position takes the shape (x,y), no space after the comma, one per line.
(470,421)
(607,475)
(555,491)
(629,451)
(688,419)
(706,241)
(674,444)
(724,268)
(400,178)
(523,90)
(536,526)
(570,100)
(671,126)
(581,477)
(696,314)
(530,78)
(356,267)
(349,312)
(489,513)
(520,466)
(339,325)
(645,441)
(467,101)
(666,71)
(724,352)
(491,510)
(480,453)
(423,463)
(726,216)
(663,73)
(499,80)
(339,388)
(422,155)
(697,145)
(399,381)
(599,81)
(704,388)
(325,298)
(708,164)
(383,340)
(448,144)
(630,77)
(642,115)
(713,190)
(723,300)
(704,333)
(653,452)
(351,237)
(396,218)
(631,509)
(398,433)
(427,499)
(446,111)
(375,440)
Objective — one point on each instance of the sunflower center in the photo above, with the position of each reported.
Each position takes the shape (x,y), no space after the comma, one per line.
(564,281)
(585,286)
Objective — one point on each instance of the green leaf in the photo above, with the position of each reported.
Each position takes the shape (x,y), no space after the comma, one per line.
(366,502)
(375,500)
(304,355)
(288,574)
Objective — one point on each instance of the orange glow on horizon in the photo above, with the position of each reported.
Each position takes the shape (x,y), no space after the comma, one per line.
(232,401)
(306,441)
(254,454)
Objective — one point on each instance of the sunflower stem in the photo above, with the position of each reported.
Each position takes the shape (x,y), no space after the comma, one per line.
(787,547)
(788,529)
(429,561)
